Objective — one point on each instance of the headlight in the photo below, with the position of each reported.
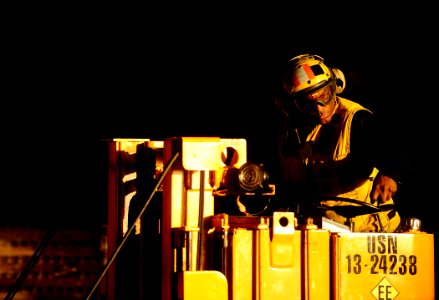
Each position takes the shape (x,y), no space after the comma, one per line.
(249,178)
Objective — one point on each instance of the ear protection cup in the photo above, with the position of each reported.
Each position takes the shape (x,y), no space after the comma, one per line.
(340,80)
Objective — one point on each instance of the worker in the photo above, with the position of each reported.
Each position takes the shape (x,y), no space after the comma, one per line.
(330,150)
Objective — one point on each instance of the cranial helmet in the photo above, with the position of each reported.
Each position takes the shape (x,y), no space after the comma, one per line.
(307,73)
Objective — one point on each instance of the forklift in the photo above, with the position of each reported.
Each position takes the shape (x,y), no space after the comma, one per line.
(204,233)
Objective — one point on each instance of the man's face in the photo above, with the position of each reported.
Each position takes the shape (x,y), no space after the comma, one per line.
(318,103)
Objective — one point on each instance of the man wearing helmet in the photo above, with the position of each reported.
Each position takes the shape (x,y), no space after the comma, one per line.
(327,150)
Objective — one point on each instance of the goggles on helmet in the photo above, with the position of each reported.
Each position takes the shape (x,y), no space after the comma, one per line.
(307,101)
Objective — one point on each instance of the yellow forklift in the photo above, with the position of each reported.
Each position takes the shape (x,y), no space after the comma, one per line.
(202,242)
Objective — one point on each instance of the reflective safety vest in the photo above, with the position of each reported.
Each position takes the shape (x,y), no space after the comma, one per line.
(385,221)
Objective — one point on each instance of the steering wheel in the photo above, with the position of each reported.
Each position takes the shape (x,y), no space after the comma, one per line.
(355,208)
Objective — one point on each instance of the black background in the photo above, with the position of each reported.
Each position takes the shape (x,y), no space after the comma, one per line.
(76,77)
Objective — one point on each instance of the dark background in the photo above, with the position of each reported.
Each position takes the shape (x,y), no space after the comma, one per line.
(78,77)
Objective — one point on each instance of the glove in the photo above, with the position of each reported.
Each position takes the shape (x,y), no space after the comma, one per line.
(305,150)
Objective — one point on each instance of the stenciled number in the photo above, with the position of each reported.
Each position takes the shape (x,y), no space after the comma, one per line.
(384,264)
(354,264)
(393,260)
(403,264)
(412,267)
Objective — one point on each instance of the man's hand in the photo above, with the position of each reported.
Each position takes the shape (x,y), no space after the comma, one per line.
(384,188)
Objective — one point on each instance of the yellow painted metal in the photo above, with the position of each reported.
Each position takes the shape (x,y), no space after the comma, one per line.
(386,266)
(205,285)
(128,144)
(235,241)
(280,260)
(262,260)
(201,153)
(316,263)
(188,185)
(241,265)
